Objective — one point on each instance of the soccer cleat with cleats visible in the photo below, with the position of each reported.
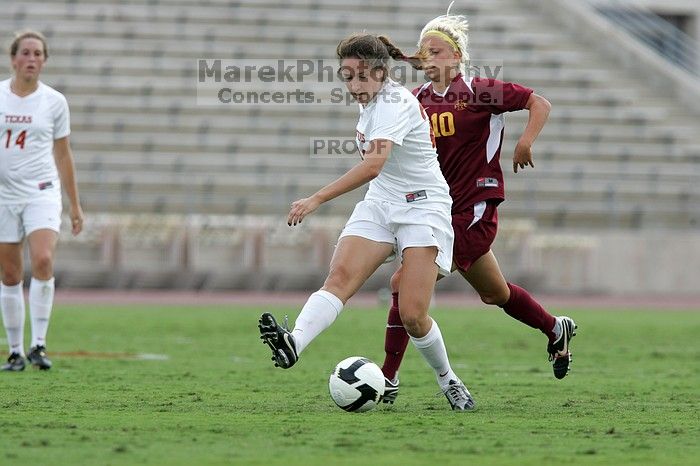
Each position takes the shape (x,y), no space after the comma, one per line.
(37,358)
(280,341)
(459,397)
(559,351)
(15,363)
(391,391)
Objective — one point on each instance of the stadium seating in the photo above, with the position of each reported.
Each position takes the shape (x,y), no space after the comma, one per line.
(616,152)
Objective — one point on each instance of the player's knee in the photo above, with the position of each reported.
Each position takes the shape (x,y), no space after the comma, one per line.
(411,322)
(11,278)
(42,263)
(11,273)
(417,324)
(339,281)
(494,298)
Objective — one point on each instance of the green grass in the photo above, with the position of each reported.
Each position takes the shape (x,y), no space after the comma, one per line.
(632,397)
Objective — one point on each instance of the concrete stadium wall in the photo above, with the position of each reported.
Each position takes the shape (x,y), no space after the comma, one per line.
(606,262)
(263,253)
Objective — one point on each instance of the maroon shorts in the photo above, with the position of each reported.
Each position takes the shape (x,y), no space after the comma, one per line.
(473,238)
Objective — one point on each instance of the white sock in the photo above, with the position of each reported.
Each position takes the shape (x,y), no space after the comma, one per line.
(319,312)
(12,304)
(557,328)
(40,305)
(432,347)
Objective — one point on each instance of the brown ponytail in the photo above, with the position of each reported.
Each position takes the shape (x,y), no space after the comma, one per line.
(415,61)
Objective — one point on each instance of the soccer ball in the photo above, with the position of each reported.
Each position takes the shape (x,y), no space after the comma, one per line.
(356,384)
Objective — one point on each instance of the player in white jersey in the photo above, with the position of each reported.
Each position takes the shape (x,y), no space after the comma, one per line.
(406,211)
(35,160)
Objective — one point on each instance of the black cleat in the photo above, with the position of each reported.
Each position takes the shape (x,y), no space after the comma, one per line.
(37,358)
(15,363)
(280,341)
(459,397)
(558,351)
(391,391)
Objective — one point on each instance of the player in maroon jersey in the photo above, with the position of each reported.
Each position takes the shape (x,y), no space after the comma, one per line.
(467,118)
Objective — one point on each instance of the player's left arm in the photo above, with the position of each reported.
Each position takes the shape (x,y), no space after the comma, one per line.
(368,169)
(539,108)
(66,171)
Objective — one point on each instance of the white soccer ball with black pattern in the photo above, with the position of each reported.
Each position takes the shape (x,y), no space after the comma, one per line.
(356,384)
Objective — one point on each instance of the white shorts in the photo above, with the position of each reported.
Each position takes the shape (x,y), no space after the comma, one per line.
(404,227)
(18,221)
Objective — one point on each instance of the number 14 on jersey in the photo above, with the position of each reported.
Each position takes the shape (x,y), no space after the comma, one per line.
(19,141)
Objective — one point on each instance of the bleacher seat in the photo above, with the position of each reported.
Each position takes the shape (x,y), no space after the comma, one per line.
(615,151)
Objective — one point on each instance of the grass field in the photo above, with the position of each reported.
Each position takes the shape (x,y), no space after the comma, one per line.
(632,397)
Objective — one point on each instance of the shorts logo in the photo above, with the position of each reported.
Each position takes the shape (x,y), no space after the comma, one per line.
(486,183)
(416,196)
(45,185)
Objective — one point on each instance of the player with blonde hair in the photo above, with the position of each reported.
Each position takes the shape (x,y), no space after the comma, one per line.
(467,117)
(35,161)
(406,212)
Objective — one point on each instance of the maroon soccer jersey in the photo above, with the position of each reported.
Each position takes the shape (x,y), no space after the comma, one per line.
(468,124)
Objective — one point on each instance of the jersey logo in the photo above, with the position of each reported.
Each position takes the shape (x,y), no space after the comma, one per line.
(416,196)
(45,185)
(461,105)
(486,183)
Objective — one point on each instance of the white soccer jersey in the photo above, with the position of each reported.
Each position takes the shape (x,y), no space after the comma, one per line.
(411,173)
(28,127)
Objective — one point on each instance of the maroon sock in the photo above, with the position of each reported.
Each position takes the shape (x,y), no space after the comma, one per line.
(395,341)
(523,307)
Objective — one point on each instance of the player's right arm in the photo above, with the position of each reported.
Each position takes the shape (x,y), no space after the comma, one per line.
(538,108)
(364,172)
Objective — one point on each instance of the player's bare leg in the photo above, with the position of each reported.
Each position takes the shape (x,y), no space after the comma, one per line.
(12,304)
(11,267)
(418,276)
(42,246)
(418,279)
(354,260)
(486,278)
(395,341)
